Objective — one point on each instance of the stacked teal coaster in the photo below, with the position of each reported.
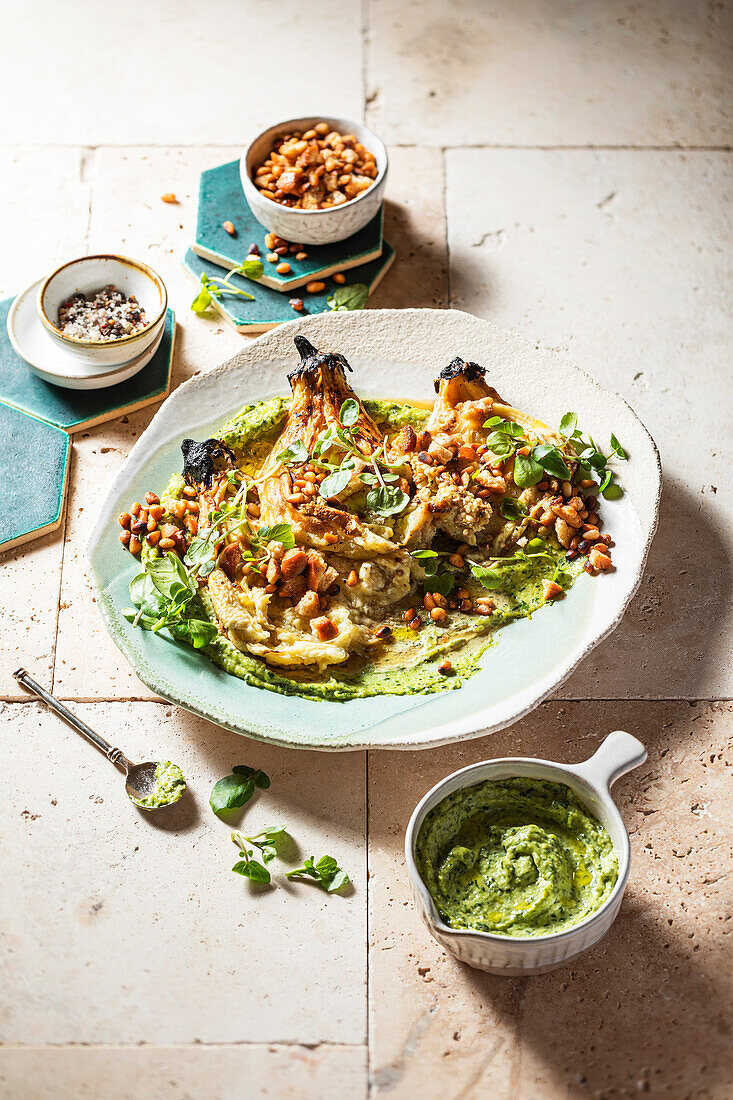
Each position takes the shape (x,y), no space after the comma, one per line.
(270,307)
(365,255)
(35,421)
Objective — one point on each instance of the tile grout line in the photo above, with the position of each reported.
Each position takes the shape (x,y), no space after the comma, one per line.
(444,158)
(674,148)
(64,528)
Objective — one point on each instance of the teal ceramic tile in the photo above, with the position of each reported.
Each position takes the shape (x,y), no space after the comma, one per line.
(221,199)
(34,459)
(270,307)
(73,410)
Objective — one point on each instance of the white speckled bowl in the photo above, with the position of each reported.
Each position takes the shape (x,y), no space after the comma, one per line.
(591,781)
(90,273)
(314,226)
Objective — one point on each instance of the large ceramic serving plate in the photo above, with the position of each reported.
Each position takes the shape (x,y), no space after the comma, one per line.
(394,353)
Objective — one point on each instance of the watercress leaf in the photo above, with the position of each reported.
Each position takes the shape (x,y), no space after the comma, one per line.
(421,555)
(527,471)
(513,508)
(369,478)
(355,296)
(261,779)
(500,444)
(493,421)
(200,632)
(252,870)
(242,769)
(200,550)
(607,479)
(251,269)
(295,453)
(488,578)
(134,615)
(163,574)
(386,500)
(230,793)
(551,459)
(335,483)
(440,582)
(339,880)
(269,852)
(202,301)
(349,412)
(568,424)
(326,866)
(617,448)
(430,567)
(536,546)
(613,491)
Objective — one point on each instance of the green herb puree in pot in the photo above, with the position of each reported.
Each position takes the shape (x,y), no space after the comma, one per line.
(519,857)
(170,783)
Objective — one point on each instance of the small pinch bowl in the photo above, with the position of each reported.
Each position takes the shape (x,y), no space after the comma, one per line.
(90,273)
(591,781)
(314,226)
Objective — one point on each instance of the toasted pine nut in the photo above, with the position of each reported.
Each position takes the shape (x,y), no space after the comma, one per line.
(151,498)
(428,601)
(438,614)
(352,579)
(134,545)
(230,229)
(295,498)
(189,491)
(166,544)
(301,256)
(457,560)
(168,197)
(125,537)
(283,269)
(125,520)
(339,277)
(153,538)
(315,287)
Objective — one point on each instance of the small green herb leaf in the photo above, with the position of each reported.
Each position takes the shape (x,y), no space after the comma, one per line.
(202,301)
(617,448)
(251,869)
(336,482)
(568,424)
(349,412)
(386,500)
(258,777)
(230,793)
(613,491)
(513,508)
(527,471)
(489,578)
(326,872)
(280,532)
(295,453)
(355,296)
(551,459)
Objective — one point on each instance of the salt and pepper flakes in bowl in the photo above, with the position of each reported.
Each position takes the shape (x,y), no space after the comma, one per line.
(334,173)
(589,783)
(105,310)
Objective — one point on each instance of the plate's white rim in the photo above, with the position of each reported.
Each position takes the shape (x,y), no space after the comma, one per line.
(464,728)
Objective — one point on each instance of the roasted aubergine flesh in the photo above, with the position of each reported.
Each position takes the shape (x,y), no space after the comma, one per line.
(320,389)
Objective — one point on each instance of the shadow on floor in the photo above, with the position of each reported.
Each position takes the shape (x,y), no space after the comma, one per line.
(645,1011)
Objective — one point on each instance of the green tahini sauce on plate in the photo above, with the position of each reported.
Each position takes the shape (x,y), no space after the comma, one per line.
(519,857)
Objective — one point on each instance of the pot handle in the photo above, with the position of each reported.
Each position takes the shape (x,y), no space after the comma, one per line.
(618,754)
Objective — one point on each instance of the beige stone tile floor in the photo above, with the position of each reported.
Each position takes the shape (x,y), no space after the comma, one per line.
(562,169)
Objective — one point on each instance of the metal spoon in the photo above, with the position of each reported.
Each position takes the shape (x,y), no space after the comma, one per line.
(141,778)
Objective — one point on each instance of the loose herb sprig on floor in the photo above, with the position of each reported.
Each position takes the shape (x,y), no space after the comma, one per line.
(326,873)
(212,286)
(235,790)
(591,457)
(384,496)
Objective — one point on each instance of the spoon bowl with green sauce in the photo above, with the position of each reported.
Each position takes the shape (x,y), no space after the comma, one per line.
(151,785)
(519,865)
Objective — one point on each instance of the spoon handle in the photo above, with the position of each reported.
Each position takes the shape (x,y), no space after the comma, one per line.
(113,754)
